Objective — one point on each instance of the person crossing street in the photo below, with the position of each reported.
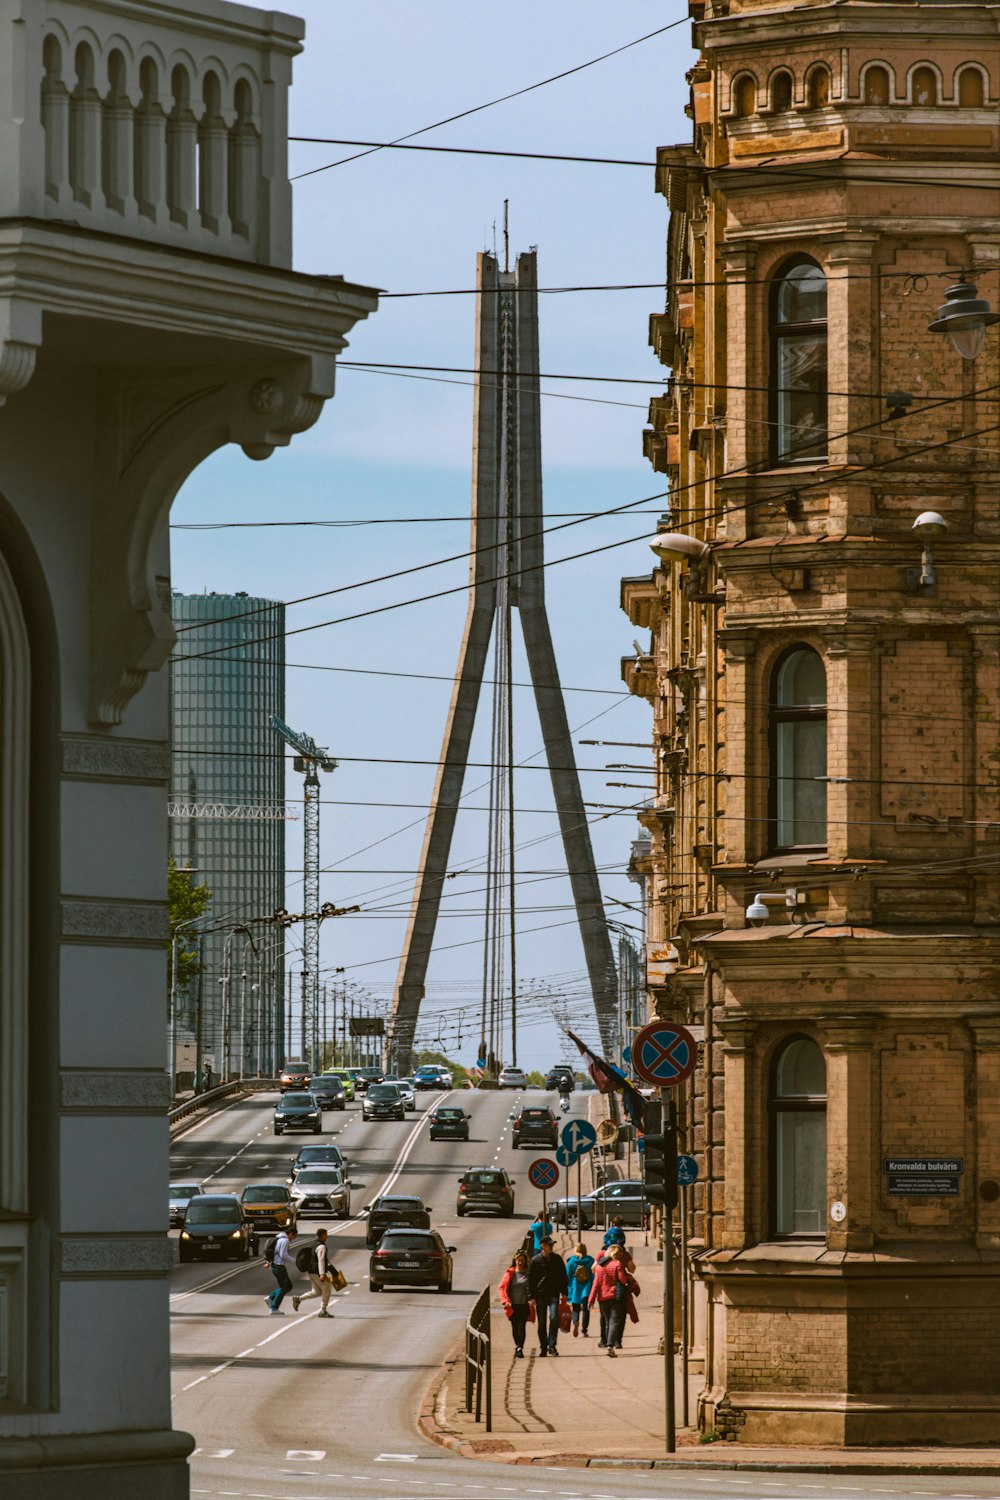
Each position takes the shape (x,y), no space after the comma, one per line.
(320,1274)
(281,1263)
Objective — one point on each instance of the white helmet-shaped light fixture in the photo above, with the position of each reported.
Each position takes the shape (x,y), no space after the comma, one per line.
(673,544)
(929,525)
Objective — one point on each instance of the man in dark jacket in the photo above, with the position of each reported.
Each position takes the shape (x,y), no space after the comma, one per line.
(546,1284)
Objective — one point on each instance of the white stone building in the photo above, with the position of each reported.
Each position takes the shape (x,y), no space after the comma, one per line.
(148,315)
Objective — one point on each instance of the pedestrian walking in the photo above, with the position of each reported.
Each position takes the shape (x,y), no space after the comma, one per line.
(580,1275)
(320,1274)
(615,1235)
(537,1229)
(281,1263)
(547,1285)
(515,1298)
(614,1291)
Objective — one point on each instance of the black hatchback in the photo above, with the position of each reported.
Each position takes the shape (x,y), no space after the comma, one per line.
(449,1124)
(411,1257)
(535,1127)
(215,1228)
(485,1187)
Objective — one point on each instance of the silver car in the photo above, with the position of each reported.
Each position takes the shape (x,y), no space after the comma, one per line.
(181,1194)
(407,1090)
(321,1191)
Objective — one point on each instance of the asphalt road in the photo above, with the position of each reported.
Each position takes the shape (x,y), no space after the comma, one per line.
(298,1409)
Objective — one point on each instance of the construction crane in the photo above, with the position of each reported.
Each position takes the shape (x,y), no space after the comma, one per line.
(223,812)
(310,760)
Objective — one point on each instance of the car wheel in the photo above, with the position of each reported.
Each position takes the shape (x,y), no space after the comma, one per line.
(373,1286)
(509,1212)
(460,1212)
(182,1257)
(276,1130)
(444,1286)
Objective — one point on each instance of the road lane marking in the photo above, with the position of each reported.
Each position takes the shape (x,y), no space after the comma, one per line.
(313,1455)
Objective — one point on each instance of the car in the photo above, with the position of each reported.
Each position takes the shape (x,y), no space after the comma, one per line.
(623,1200)
(314,1156)
(295,1074)
(268,1205)
(431,1076)
(558,1072)
(512,1078)
(382,1101)
(535,1127)
(394,1211)
(367,1076)
(344,1074)
(298,1111)
(181,1194)
(411,1257)
(406,1090)
(485,1187)
(215,1228)
(322,1190)
(449,1123)
(328,1091)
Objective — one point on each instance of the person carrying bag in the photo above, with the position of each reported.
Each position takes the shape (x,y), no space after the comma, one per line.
(614,1291)
(516,1301)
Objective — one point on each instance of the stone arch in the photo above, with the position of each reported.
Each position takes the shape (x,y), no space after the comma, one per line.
(971,86)
(246,97)
(84,127)
(181,142)
(877,83)
(781,90)
(924,85)
(819,86)
(744,95)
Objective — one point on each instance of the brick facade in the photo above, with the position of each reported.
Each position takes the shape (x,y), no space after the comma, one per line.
(863,140)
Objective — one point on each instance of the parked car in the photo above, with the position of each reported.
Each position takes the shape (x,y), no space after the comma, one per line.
(408,1257)
(181,1194)
(535,1127)
(344,1074)
(328,1091)
(406,1090)
(367,1076)
(512,1078)
(215,1228)
(322,1190)
(268,1205)
(394,1211)
(314,1156)
(449,1123)
(295,1074)
(298,1111)
(485,1187)
(558,1072)
(616,1200)
(382,1101)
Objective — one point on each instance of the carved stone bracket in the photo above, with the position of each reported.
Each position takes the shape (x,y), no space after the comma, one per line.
(154,433)
(17,365)
(847,1033)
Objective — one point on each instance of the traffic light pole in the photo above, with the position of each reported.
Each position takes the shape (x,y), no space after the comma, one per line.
(668,1111)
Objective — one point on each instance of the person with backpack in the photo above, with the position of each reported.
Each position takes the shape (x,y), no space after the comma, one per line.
(315,1262)
(614,1291)
(537,1228)
(277,1255)
(615,1235)
(580,1275)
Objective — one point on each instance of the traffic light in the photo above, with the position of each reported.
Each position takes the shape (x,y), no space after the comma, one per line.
(660,1157)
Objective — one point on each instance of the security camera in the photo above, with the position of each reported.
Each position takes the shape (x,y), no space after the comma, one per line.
(757,912)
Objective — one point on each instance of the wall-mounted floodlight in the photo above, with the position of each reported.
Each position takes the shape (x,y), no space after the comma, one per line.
(672,544)
(964,317)
(928,527)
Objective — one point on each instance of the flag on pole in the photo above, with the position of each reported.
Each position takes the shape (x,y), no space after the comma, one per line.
(610,1080)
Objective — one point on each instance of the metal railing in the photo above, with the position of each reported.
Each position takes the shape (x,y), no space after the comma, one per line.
(478,1361)
(213,1098)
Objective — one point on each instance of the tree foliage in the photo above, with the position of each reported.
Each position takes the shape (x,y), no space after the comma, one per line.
(187,902)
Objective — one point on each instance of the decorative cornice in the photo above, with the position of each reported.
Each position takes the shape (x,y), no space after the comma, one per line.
(115,760)
(116,1255)
(115,921)
(138,1092)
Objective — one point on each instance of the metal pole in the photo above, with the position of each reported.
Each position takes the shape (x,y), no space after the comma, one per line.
(579,1196)
(669,1116)
(303,1034)
(685,1294)
(288,1019)
(243,1019)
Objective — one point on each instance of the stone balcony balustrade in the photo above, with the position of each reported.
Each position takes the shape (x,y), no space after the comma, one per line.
(137,119)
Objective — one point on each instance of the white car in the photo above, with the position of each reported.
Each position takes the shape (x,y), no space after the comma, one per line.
(321,1190)
(512,1078)
(406,1088)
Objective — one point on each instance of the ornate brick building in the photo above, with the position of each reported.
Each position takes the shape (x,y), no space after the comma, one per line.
(824,684)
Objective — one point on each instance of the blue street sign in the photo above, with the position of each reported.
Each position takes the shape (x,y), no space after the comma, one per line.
(687,1171)
(543,1174)
(579,1136)
(566,1158)
(664,1054)
(627,1055)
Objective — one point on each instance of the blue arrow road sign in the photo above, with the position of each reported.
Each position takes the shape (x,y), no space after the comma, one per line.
(687,1171)
(543,1174)
(565,1157)
(579,1136)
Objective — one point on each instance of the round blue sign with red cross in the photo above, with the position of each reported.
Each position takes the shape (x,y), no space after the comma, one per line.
(664,1054)
(543,1173)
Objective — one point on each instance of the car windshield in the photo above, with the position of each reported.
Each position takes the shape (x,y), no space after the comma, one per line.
(212,1213)
(393,1240)
(449,1114)
(326,1081)
(318,1153)
(294,1102)
(184,1189)
(296,1065)
(399,1205)
(383,1091)
(265,1195)
(318,1174)
(370,1072)
(484,1179)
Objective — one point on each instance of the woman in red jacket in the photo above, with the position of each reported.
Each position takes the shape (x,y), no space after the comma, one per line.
(515,1300)
(613,1291)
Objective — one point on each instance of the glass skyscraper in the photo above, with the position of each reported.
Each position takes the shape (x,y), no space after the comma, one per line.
(227,805)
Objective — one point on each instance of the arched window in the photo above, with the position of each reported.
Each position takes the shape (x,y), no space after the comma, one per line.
(877,86)
(970,88)
(781,91)
(924,86)
(798,363)
(744,96)
(798,1139)
(798,751)
(819,88)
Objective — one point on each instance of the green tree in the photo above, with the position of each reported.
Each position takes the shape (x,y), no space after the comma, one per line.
(187,902)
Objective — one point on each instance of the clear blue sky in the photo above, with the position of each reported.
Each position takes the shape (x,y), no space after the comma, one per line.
(394,448)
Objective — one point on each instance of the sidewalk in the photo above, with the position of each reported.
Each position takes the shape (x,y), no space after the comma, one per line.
(584,1409)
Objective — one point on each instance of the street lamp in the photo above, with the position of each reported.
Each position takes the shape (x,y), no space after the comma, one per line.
(964,317)
(929,526)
